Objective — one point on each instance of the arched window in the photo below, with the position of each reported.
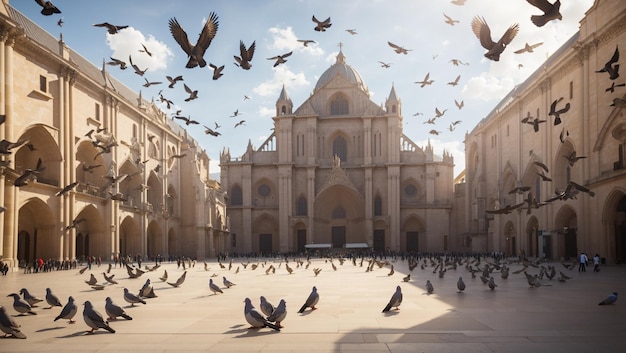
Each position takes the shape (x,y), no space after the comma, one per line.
(236,196)
(301,207)
(339,105)
(340,148)
(378,206)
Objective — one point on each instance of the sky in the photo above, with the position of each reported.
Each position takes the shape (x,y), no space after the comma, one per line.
(276,25)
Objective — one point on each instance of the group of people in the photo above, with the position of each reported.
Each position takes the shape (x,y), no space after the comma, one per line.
(582,267)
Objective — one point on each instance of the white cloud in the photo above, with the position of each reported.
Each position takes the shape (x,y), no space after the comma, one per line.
(265,112)
(128,42)
(487,87)
(285,39)
(282,75)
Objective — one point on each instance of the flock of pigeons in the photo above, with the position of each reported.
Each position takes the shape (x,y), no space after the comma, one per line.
(572,189)
(269,315)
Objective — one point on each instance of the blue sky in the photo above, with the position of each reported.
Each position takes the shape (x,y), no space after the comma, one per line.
(276,25)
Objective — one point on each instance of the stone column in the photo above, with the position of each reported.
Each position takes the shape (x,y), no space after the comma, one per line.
(10,215)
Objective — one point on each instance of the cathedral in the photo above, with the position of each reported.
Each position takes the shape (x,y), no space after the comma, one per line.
(338,172)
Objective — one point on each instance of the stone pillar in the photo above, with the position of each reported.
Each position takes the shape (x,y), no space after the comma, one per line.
(3,37)
(10,215)
(310,200)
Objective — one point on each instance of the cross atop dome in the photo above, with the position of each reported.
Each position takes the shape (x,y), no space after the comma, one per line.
(341,59)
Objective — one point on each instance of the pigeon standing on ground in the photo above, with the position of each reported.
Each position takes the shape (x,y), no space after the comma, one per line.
(429,287)
(214,287)
(29,298)
(92,280)
(94,319)
(131,298)
(20,305)
(611,299)
(227,283)
(179,281)
(492,284)
(279,314)
(254,318)
(395,301)
(52,299)
(266,307)
(9,326)
(113,310)
(68,311)
(310,302)
(460,285)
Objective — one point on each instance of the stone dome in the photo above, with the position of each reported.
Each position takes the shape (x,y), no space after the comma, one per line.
(341,68)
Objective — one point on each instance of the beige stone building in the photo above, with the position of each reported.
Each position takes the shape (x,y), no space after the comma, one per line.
(51,97)
(338,170)
(501,152)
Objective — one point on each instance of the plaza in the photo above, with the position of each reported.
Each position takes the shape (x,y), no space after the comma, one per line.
(558,316)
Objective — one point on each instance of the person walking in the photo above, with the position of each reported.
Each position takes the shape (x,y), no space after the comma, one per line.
(582,267)
(596,263)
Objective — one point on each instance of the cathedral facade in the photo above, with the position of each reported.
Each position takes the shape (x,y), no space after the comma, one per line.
(338,172)
(137,184)
(568,171)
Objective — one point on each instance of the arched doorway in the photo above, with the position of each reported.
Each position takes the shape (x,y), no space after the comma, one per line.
(510,240)
(566,229)
(614,214)
(620,230)
(532,227)
(38,236)
(82,245)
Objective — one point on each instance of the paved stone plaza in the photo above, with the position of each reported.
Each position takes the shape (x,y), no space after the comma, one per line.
(556,317)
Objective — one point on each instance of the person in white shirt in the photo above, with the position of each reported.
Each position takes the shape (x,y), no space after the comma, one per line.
(596,263)
(583,262)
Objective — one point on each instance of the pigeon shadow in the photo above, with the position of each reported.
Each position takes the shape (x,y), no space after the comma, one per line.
(252,332)
(391,312)
(50,328)
(77,334)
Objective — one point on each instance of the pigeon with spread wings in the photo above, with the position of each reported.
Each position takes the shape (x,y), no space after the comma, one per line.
(550,12)
(321,25)
(494,49)
(195,52)
(398,49)
(243,61)
(112,29)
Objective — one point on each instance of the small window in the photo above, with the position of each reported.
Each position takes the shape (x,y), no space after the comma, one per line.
(378,206)
(507,130)
(410,190)
(264,190)
(43,83)
(97,111)
(301,207)
(339,106)
(135,130)
(571,89)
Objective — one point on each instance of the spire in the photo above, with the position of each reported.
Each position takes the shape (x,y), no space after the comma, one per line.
(393,104)
(392,94)
(284,97)
(283,103)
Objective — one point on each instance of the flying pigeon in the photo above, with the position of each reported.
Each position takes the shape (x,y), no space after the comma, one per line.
(550,12)
(195,52)
(321,25)
(494,49)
